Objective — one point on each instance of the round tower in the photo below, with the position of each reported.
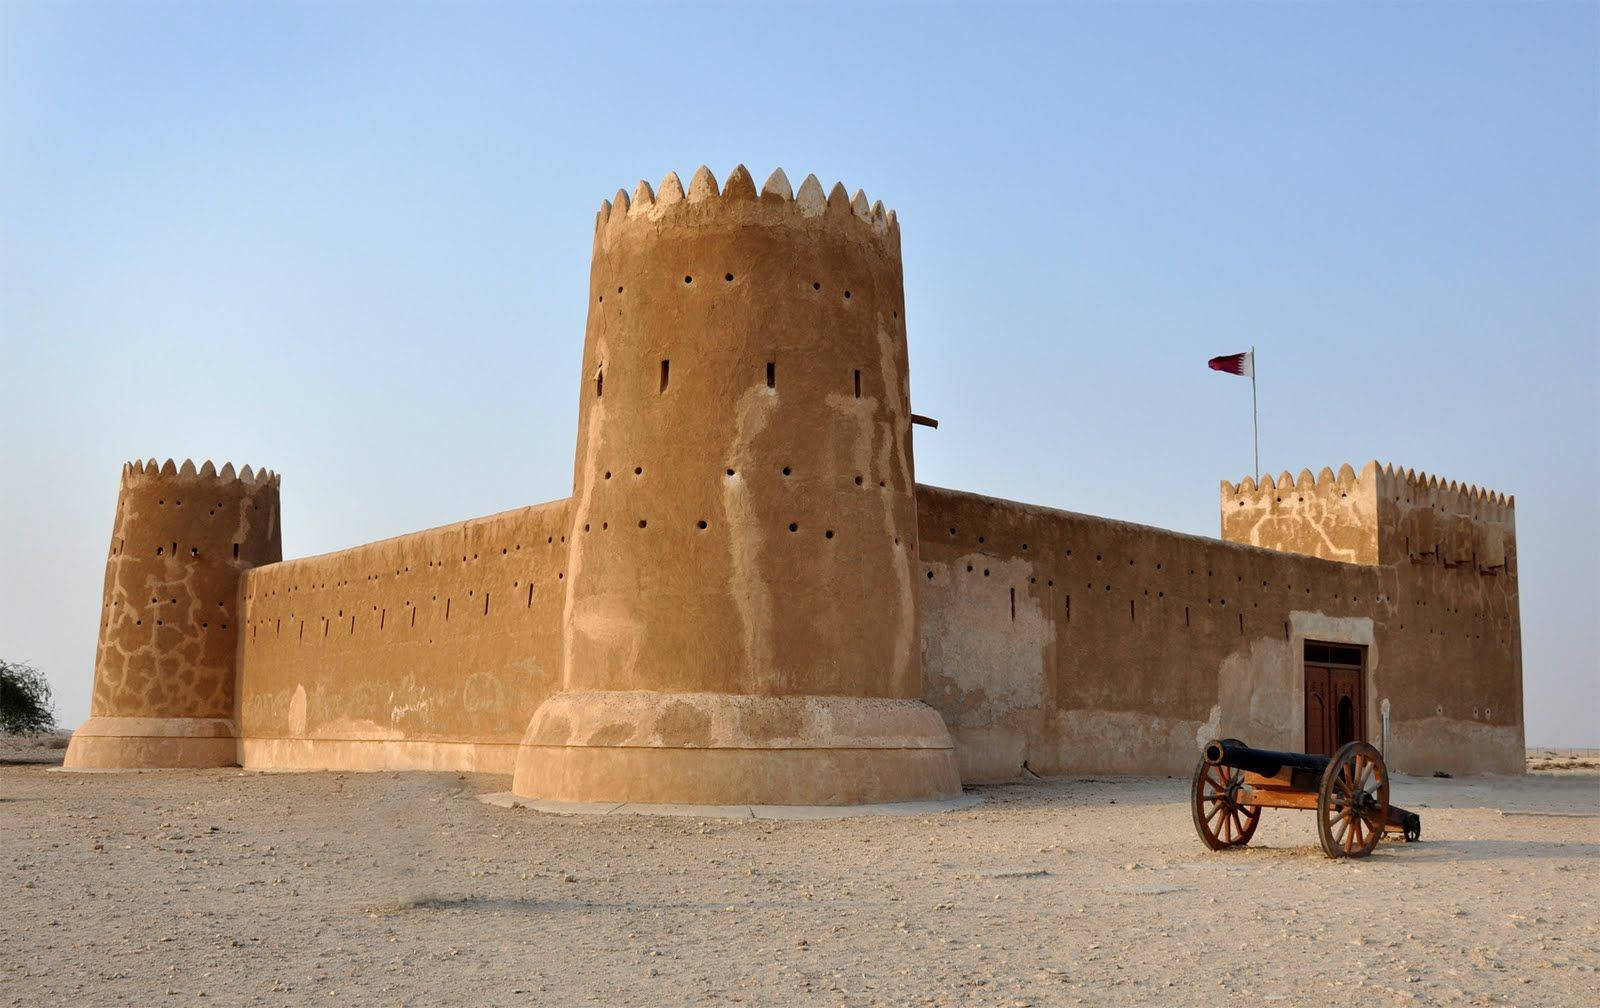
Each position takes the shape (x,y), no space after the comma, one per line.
(164,672)
(740,622)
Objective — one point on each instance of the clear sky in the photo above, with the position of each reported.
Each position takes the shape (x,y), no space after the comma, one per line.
(350,242)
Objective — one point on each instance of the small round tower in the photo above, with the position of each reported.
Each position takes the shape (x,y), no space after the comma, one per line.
(740,622)
(164,672)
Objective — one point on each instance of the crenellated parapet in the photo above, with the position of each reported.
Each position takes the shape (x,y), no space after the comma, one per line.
(164,681)
(1331,515)
(1382,515)
(1455,524)
(776,204)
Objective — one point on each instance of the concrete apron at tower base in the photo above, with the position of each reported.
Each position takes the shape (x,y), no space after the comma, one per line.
(129,743)
(722,749)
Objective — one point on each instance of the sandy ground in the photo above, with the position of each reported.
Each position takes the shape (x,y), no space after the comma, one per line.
(341,889)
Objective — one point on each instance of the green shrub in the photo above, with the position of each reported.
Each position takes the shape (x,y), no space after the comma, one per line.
(25,705)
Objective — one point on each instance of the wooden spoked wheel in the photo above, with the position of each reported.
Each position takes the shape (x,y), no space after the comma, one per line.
(1353,801)
(1219,819)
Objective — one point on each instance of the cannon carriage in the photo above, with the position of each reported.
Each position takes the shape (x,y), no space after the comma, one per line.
(1349,791)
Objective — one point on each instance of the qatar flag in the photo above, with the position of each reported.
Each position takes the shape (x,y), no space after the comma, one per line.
(1237,363)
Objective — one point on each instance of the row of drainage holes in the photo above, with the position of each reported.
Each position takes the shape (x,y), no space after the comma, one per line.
(194,551)
(702,525)
(666,378)
(816,285)
(787,471)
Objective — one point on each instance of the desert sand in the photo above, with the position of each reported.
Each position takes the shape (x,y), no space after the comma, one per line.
(235,887)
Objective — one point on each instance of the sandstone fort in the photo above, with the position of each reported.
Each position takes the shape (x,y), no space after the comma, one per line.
(748,598)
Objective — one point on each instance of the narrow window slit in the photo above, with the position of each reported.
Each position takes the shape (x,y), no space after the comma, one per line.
(1013,605)
(666,366)
(772,374)
(1068,600)
(599,383)
(530,594)
(486,603)
(858,383)
(236,551)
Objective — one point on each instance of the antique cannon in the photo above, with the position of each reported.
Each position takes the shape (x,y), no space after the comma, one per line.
(1349,792)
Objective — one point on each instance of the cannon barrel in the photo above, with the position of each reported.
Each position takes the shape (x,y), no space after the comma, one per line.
(1233,753)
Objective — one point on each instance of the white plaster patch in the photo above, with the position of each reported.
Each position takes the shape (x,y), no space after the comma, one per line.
(297,712)
(996,664)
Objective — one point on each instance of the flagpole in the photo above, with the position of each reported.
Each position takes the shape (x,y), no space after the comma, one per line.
(1255,423)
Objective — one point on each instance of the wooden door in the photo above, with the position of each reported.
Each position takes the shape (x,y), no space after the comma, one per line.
(1335,703)
(1317,740)
(1344,699)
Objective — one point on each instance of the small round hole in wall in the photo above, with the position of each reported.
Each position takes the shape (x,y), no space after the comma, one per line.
(638,470)
(608,474)
(847,295)
(642,523)
(688,279)
(701,524)
(794,527)
(858,481)
(930,575)
(828,534)
(604,526)
(729,278)
(786,470)
(730,472)
(816,285)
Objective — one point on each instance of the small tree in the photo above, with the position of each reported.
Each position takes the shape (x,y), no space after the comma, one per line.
(25,705)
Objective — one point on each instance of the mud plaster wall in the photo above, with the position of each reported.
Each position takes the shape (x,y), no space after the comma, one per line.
(1454,554)
(429,650)
(1082,644)
(743,514)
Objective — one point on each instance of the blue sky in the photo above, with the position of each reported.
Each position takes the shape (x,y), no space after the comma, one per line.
(350,242)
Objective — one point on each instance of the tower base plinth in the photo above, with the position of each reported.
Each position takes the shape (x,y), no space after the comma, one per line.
(727,749)
(138,743)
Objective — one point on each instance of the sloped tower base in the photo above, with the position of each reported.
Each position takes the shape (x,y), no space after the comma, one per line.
(124,743)
(722,749)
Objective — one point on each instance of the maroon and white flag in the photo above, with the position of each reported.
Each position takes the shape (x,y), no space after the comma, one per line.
(1238,363)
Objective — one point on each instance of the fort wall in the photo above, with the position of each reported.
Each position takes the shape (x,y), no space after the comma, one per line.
(748,599)
(1080,644)
(425,651)
(1086,645)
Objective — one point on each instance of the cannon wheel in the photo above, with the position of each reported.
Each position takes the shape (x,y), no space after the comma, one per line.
(1220,821)
(1353,801)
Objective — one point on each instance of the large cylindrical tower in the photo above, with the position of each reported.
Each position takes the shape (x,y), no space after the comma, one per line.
(164,672)
(741,619)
